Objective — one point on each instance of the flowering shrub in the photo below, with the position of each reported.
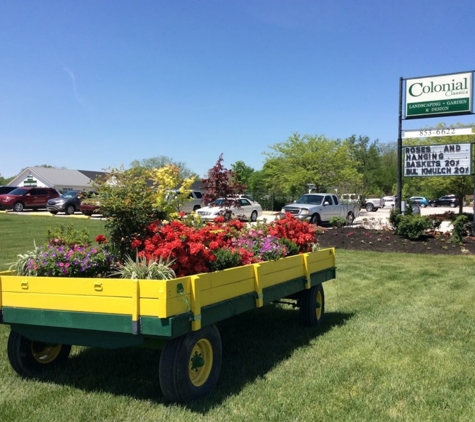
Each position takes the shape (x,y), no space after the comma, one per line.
(196,249)
(59,258)
(65,261)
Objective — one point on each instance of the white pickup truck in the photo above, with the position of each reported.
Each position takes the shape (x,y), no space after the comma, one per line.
(318,208)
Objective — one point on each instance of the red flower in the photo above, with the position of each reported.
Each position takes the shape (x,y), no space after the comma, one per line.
(136,243)
(101,239)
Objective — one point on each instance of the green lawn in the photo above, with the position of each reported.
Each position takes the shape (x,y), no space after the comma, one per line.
(398,344)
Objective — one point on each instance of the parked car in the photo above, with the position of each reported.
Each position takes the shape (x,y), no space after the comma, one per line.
(445,201)
(389,201)
(68,202)
(6,189)
(318,208)
(193,203)
(421,201)
(241,208)
(373,204)
(90,205)
(25,197)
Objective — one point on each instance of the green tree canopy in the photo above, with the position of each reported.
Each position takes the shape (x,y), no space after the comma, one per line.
(163,161)
(326,163)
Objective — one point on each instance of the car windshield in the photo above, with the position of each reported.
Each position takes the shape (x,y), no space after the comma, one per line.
(18,191)
(310,199)
(70,194)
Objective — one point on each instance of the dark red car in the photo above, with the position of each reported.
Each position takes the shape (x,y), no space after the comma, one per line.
(33,198)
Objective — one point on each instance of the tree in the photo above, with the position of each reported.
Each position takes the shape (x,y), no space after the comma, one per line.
(163,161)
(367,156)
(242,172)
(326,163)
(220,183)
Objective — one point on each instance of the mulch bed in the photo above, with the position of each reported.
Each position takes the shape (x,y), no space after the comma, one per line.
(361,239)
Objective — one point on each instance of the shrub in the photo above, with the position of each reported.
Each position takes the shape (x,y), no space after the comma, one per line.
(337,221)
(395,217)
(142,269)
(461,227)
(225,258)
(413,227)
(61,235)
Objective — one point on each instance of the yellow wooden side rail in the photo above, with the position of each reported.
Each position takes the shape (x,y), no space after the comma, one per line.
(158,298)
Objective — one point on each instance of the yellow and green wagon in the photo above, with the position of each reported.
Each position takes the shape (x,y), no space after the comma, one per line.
(47,315)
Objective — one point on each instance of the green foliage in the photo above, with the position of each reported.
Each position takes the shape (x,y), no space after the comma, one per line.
(312,159)
(292,248)
(21,265)
(337,221)
(461,227)
(164,161)
(395,217)
(412,226)
(225,258)
(242,173)
(141,269)
(67,235)
(127,200)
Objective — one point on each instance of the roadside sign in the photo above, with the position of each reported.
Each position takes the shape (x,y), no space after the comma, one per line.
(438,160)
(429,133)
(439,95)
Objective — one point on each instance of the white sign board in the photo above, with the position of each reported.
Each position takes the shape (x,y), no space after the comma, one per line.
(438,160)
(439,95)
(429,133)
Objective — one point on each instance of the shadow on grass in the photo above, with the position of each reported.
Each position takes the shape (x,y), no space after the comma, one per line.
(253,344)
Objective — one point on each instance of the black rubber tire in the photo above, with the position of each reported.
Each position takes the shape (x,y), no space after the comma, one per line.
(452,205)
(70,209)
(315,219)
(253,216)
(312,306)
(196,208)
(350,218)
(433,205)
(423,205)
(18,207)
(29,357)
(179,380)
(369,207)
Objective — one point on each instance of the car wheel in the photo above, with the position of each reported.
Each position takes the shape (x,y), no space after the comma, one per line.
(70,209)
(369,207)
(432,205)
(452,205)
(253,216)
(196,208)
(315,219)
(423,205)
(18,207)
(350,218)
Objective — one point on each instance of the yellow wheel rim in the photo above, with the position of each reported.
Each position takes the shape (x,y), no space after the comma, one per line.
(319,308)
(45,353)
(201,362)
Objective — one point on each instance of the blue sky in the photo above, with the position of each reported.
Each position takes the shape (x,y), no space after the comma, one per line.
(94,84)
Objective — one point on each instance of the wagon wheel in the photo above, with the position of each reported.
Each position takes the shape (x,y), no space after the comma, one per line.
(190,365)
(28,357)
(312,306)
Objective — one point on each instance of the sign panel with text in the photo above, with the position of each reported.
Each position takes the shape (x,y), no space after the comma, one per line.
(438,160)
(439,95)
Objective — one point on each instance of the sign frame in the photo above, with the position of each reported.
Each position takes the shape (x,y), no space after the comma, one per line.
(442,160)
(439,95)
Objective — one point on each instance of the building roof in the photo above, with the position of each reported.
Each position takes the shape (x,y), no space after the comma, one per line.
(54,177)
